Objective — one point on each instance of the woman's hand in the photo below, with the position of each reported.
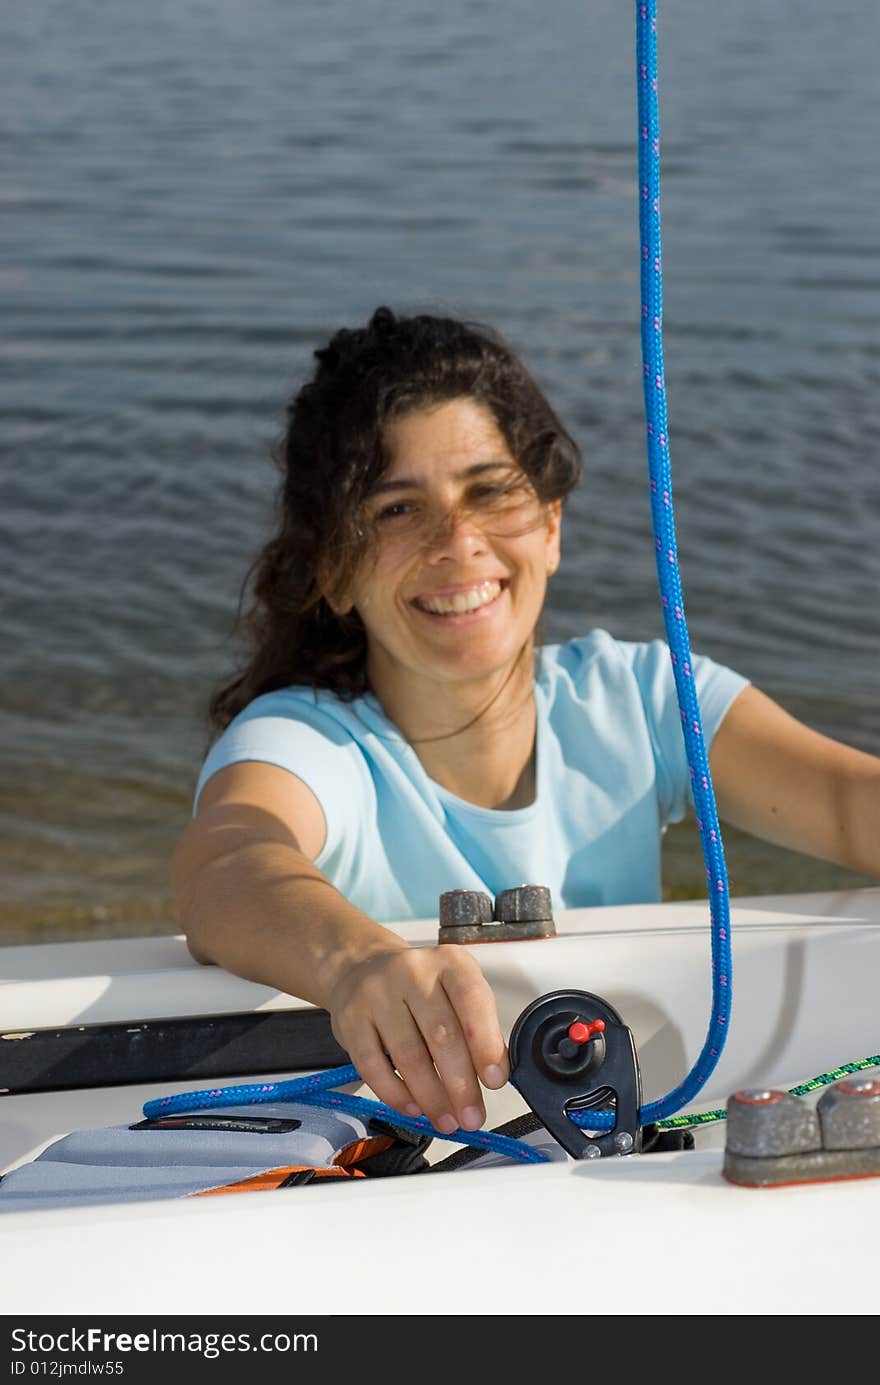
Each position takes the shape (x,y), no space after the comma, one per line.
(421,1027)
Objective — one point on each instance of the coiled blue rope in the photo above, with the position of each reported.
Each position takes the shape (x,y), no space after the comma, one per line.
(318,1089)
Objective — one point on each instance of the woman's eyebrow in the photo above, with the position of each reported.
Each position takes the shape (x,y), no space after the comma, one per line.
(412,483)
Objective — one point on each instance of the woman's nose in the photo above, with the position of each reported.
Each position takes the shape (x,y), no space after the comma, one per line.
(455,533)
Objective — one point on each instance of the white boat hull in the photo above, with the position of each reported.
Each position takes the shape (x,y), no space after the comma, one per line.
(658,1233)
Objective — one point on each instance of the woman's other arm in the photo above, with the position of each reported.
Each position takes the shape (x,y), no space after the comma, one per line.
(249,898)
(778,779)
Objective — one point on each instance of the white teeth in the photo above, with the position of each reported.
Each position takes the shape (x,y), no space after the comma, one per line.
(462,601)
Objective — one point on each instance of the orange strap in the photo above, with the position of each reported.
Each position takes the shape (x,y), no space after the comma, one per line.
(276,1178)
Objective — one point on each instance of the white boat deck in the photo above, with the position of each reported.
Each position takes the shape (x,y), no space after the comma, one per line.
(651,1234)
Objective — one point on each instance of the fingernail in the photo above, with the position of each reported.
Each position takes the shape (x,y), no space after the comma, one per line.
(471,1118)
(412,1110)
(446,1124)
(493,1077)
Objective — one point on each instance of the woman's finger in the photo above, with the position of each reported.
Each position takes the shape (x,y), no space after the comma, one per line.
(450,1056)
(473,1000)
(368,1054)
(406,1043)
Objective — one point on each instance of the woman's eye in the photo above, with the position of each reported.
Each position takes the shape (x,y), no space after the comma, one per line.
(398,510)
(494,492)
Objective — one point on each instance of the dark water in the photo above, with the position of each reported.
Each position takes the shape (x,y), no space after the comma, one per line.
(195,192)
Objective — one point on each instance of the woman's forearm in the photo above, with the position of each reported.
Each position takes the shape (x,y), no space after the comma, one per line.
(420,1024)
(784,782)
(861,832)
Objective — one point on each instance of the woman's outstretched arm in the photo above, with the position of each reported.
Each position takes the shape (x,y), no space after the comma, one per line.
(420,1024)
(777,778)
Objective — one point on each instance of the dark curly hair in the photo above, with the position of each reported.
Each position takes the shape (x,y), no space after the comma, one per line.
(330,457)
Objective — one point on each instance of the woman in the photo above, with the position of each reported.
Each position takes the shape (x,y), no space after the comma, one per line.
(398,732)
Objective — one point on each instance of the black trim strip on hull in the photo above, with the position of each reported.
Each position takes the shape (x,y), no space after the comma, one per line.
(170,1050)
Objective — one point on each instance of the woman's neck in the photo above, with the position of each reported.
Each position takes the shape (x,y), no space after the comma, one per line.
(475,739)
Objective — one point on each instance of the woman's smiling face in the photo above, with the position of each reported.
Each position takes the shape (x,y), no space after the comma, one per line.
(461,548)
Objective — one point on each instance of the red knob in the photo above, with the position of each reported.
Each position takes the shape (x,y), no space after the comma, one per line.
(581,1033)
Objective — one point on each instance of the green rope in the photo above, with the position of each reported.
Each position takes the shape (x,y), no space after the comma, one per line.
(705,1117)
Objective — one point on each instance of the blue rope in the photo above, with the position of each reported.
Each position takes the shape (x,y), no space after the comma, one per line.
(317,1090)
(666,555)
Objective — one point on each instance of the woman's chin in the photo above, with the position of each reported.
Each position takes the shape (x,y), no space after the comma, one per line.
(469,659)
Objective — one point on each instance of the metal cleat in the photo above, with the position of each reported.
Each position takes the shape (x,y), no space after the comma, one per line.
(774,1138)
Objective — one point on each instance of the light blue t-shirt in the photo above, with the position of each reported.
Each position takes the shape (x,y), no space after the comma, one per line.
(611,773)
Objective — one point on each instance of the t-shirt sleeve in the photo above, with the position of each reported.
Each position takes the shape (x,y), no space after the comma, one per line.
(716,687)
(289,731)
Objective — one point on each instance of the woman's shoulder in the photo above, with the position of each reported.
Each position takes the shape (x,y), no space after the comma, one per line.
(601,655)
(624,680)
(316,707)
(594,652)
(312,733)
